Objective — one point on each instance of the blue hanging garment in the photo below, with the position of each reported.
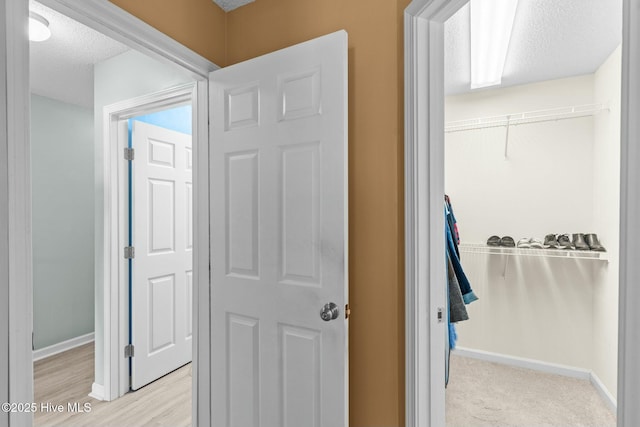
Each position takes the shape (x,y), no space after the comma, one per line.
(459,290)
(452,249)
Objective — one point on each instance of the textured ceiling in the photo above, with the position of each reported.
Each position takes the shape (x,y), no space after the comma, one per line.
(228,5)
(551,39)
(62,67)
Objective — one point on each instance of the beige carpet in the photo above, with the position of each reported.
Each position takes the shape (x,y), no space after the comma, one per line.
(489,394)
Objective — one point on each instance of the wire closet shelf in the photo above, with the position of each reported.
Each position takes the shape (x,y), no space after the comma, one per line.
(506,120)
(480,248)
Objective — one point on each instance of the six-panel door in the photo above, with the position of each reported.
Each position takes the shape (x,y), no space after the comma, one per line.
(162,280)
(279,238)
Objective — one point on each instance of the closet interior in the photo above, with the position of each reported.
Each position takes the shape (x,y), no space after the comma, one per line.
(527,161)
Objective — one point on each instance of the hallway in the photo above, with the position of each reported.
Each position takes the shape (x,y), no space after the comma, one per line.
(66,378)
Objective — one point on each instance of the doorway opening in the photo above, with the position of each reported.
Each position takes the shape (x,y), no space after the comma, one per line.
(424,25)
(142,76)
(148,301)
(545,326)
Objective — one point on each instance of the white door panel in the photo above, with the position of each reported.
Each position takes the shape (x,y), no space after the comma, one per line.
(162,267)
(279,238)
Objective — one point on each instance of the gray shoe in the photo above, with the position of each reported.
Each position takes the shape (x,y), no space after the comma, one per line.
(550,241)
(564,242)
(508,242)
(579,242)
(493,241)
(594,244)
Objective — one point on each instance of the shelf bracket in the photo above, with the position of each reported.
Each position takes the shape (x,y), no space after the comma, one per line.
(506,139)
(506,264)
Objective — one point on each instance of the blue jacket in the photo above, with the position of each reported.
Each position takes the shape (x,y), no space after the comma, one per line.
(452,249)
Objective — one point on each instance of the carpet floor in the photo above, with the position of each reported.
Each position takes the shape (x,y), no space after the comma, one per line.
(483,394)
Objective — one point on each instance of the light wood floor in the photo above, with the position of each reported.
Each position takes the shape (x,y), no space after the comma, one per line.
(67,378)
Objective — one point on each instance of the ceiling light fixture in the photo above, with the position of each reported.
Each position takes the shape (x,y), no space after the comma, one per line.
(38,28)
(491,25)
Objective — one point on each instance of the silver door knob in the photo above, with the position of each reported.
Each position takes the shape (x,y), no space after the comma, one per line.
(329,312)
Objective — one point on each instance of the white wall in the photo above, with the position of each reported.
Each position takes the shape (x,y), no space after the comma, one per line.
(606,173)
(62,195)
(545,186)
(532,307)
(122,77)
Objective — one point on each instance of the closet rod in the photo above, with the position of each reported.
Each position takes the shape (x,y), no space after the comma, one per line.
(553,114)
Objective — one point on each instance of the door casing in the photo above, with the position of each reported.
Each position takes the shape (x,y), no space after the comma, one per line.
(424,222)
(15,215)
(114,22)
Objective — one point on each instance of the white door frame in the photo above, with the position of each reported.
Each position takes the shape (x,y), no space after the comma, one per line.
(15,215)
(116,297)
(424,219)
(15,184)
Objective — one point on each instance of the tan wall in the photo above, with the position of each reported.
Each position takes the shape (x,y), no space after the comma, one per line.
(376,265)
(197,24)
(375,159)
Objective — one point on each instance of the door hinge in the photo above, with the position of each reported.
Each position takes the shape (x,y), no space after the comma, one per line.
(129,153)
(128,350)
(347,311)
(440,315)
(129,252)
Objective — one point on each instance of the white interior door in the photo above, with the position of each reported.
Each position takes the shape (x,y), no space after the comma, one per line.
(162,237)
(279,238)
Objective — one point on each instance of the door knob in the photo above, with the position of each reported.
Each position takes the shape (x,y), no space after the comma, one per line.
(329,312)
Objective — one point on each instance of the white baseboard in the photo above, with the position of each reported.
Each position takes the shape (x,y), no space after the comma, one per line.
(537,365)
(521,362)
(62,346)
(608,398)
(97,391)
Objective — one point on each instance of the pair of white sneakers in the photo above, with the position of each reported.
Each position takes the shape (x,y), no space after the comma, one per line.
(531,242)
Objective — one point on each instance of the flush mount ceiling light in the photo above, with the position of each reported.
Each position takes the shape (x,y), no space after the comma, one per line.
(38,28)
(491,25)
